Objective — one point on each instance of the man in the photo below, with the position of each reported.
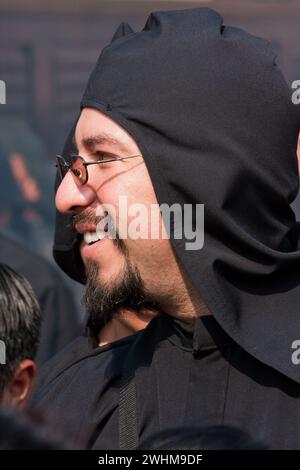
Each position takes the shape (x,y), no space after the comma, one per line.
(188,111)
(19,335)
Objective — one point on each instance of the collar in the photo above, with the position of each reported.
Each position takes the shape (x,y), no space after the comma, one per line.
(202,334)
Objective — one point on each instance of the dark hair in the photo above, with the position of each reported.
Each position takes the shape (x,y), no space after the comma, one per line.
(19,322)
(202,438)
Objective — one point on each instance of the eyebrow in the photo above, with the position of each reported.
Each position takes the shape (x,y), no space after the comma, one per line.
(100,139)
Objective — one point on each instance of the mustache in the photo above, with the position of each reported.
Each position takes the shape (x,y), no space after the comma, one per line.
(88,217)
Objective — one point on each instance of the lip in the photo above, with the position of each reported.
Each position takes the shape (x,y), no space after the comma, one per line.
(90,251)
(82,228)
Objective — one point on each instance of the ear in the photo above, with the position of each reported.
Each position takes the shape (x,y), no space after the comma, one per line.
(18,389)
(122,30)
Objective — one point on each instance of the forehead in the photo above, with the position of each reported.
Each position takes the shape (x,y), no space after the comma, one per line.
(94,127)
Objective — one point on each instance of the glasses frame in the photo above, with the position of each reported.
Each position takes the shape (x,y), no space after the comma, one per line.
(61,162)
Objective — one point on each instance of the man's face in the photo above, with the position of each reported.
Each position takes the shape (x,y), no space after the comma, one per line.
(149,261)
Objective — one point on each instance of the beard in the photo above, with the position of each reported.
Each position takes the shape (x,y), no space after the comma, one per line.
(105,300)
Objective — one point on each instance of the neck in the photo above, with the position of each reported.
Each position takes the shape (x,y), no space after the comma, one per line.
(125,323)
(188,310)
(186,304)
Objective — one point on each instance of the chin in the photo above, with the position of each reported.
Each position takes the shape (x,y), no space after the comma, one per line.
(104,252)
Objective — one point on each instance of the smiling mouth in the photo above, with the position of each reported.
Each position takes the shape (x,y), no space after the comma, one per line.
(90,238)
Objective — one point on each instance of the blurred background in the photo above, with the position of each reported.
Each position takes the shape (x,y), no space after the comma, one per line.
(47,50)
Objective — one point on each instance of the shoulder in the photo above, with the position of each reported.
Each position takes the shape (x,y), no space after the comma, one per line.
(76,357)
(39,271)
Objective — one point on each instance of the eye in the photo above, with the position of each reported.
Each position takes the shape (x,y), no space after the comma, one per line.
(100,155)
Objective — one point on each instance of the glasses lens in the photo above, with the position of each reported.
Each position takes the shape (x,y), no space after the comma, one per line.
(62,167)
(78,169)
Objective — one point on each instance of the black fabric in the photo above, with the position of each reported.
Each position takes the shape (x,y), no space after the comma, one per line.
(78,392)
(61,322)
(198,379)
(213,118)
(122,30)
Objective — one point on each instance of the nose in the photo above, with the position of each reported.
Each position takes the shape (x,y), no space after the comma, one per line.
(70,196)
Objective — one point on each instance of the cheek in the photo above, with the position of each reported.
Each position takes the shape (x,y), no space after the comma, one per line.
(128,196)
(156,264)
(151,257)
(109,270)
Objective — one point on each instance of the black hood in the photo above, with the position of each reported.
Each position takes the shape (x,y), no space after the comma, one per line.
(213,118)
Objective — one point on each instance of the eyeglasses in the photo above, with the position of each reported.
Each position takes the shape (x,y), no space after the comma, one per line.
(78,166)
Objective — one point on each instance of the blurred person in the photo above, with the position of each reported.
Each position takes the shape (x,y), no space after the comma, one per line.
(25,185)
(61,322)
(186,111)
(19,333)
(19,432)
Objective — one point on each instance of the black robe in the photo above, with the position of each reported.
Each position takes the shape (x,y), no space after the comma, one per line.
(192,375)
